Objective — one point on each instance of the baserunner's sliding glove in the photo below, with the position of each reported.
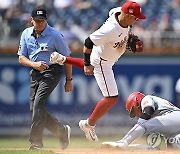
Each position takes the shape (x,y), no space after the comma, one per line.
(117,144)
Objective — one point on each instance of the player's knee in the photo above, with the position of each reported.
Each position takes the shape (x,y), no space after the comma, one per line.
(112,100)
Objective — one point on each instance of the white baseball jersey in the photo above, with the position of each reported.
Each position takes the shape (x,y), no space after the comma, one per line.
(110,43)
(160,105)
(110,39)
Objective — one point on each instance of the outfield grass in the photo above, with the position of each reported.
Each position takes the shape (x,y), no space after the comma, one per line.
(25,152)
(17,145)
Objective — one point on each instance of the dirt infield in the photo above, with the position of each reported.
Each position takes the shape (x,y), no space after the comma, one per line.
(113,151)
(91,151)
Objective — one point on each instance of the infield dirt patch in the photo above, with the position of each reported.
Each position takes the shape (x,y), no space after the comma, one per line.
(113,151)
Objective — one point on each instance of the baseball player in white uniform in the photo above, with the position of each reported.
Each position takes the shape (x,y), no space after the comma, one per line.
(156,115)
(101,50)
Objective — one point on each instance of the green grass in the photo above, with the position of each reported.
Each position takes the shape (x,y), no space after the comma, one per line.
(25,152)
(19,145)
(51,142)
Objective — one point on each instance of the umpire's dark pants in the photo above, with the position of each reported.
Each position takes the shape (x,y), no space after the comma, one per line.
(42,84)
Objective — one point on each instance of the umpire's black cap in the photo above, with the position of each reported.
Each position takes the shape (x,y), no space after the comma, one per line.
(39,13)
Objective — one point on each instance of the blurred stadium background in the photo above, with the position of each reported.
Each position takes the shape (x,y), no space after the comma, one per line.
(156,70)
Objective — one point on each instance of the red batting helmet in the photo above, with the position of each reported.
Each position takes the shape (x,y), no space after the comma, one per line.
(133,104)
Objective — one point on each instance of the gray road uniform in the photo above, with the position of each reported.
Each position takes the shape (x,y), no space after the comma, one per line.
(165,117)
(164,120)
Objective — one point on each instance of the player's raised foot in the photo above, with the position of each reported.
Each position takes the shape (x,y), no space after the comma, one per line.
(117,144)
(64,139)
(89,131)
(58,58)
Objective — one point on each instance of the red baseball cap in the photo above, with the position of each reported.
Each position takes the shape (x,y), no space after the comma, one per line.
(134,9)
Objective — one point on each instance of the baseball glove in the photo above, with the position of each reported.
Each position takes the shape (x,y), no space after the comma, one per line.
(134,44)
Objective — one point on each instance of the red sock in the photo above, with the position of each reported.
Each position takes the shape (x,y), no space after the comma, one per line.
(78,62)
(102,107)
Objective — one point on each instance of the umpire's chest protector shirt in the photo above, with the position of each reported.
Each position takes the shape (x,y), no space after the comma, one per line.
(40,48)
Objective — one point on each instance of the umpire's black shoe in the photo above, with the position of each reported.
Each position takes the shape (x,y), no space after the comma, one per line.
(35,146)
(64,139)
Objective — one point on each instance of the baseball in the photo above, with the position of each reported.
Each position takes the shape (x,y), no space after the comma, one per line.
(139,46)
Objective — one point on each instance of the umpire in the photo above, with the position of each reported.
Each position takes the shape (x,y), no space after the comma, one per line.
(36,45)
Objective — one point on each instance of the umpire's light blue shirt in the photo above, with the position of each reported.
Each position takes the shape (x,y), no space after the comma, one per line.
(40,49)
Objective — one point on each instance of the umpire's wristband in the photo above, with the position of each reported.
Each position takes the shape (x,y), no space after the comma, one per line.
(87,59)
